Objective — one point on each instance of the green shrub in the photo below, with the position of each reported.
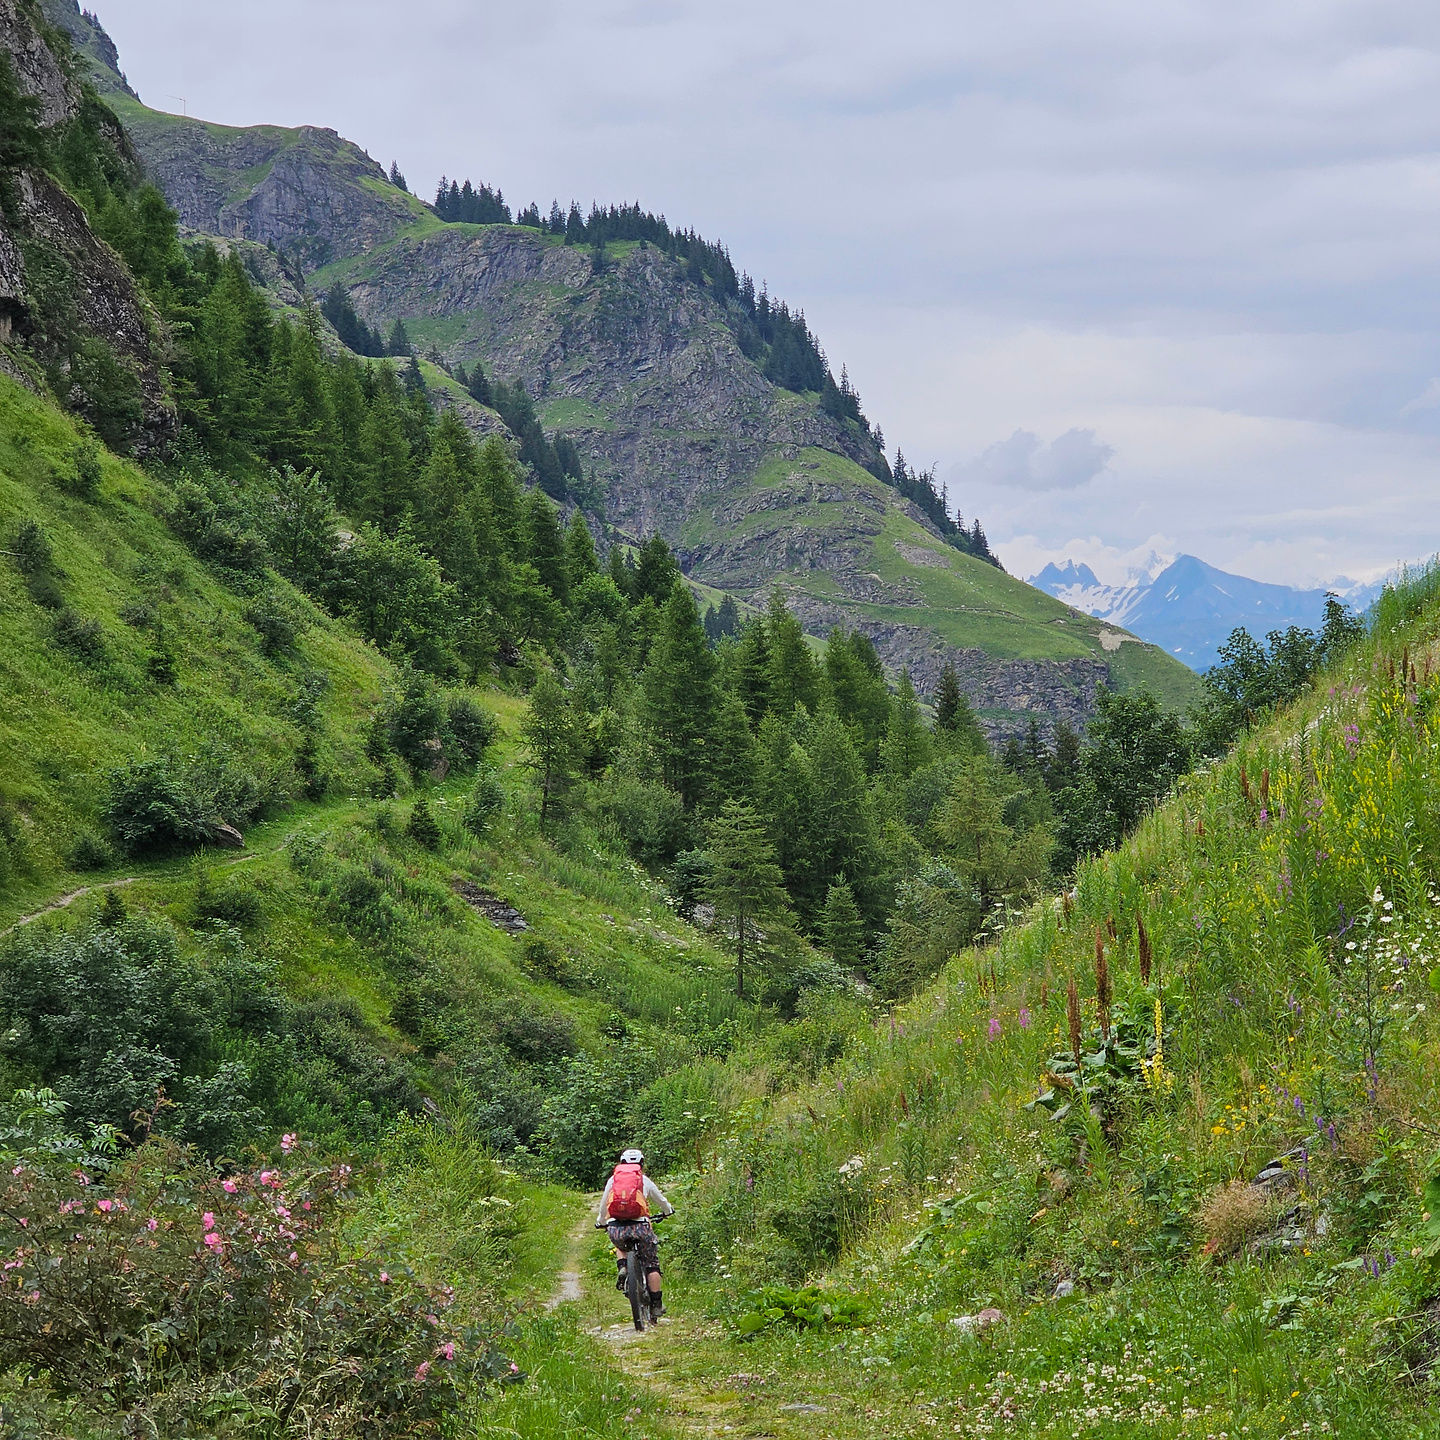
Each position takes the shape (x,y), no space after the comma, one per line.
(163,803)
(35,560)
(261,1311)
(106,390)
(545,960)
(415,724)
(78,634)
(159,804)
(278,623)
(231,902)
(90,852)
(87,475)
(472,728)
(422,826)
(486,801)
(214,525)
(160,665)
(31,549)
(647,816)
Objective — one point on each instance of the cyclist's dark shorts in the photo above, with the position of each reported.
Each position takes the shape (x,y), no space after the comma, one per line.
(636,1235)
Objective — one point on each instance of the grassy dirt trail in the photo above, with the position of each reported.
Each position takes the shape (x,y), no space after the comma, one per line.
(702,1382)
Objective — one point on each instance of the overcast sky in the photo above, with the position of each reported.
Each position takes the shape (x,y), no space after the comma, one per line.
(1137,276)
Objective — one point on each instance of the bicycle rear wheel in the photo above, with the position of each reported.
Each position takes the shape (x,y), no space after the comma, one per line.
(635,1287)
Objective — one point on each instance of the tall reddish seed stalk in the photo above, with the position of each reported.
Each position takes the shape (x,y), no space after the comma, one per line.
(1265,788)
(1072,1014)
(1144,940)
(1245,785)
(1102,984)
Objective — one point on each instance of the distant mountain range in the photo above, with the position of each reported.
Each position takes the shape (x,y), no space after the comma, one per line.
(1190,608)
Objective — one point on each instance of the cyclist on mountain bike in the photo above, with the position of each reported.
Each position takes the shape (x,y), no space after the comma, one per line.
(629,1201)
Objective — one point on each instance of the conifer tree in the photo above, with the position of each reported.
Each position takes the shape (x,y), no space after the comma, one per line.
(998,860)
(479,386)
(545,546)
(843,838)
(680,696)
(733,757)
(948,698)
(907,743)
(399,341)
(786,797)
(622,571)
(552,740)
(580,561)
(744,880)
(794,675)
(752,670)
(656,571)
(842,931)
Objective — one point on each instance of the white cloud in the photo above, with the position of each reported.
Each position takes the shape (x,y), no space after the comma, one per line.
(1023,463)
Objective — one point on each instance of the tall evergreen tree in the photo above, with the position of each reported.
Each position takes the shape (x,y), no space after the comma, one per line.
(907,743)
(733,756)
(680,696)
(553,743)
(656,571)
(843,837)
(546,546)
(794,675)
(842,931)
(744,880)
(580,561)
(752,670)
(399,342)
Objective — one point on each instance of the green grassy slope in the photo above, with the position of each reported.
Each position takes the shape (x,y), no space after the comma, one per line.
(1148,1286)
(841,538)
(67,720)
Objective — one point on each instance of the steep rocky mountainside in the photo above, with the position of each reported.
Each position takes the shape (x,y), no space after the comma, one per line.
(69,310)
(643,369)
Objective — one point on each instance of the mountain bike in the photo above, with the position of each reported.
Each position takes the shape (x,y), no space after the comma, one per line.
(637,1292)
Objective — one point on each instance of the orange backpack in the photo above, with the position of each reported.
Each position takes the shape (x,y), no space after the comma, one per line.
(627,1193)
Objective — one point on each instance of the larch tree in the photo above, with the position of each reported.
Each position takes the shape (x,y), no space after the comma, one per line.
(744,884)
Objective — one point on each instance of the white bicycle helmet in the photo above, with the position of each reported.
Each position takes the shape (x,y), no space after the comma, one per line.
(631,1157)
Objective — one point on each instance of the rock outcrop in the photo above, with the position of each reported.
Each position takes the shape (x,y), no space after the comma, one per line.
(40,72)
(307,192)
(635,361)
(89,294)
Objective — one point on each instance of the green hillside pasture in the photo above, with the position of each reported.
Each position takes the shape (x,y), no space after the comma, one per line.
(1288,896)
(67,717)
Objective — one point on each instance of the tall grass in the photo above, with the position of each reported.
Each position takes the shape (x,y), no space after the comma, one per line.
(1288,895)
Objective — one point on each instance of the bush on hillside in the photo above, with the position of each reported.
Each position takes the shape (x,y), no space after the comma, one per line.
(422,827)
(277,621)
(214,525)
(80,635)
(260,1312)
(164,803)
(90,852)
(473,728)
(85,479)
(229,900)
(645,816)
(483,807)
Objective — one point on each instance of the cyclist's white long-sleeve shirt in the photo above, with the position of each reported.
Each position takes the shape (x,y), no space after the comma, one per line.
(657,1202)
